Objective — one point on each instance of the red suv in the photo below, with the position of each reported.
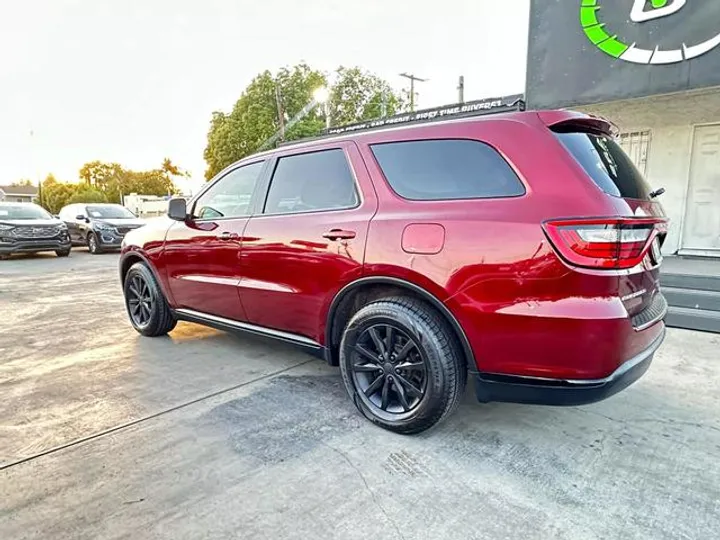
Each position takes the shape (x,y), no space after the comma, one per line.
(521,248)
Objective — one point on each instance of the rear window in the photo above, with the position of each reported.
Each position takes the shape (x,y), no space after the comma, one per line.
(446,169)
(607,164)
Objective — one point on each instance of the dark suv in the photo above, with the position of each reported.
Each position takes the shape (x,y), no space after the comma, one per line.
(29,228)
(100,227)
(521,248)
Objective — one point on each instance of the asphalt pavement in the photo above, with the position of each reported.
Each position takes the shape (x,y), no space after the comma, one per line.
(203,434)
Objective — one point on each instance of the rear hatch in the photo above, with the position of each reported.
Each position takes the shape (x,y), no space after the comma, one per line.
(629,242)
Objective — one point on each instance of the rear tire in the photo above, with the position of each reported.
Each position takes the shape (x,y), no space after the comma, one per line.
(146,305)
(416,381)
(62,252)
(93,244)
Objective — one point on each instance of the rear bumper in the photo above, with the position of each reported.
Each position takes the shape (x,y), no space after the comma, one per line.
(539,391)
(34,246)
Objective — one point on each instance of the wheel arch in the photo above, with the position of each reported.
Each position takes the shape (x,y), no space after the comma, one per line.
(374,288)
(131,257)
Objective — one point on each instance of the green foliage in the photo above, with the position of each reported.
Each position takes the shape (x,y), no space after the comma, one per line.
(357,96)
(254,118)
(114,181)
(86,194)
(107,182)
(56,194)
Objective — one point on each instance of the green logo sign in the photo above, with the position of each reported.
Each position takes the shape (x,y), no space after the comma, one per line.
(644,53)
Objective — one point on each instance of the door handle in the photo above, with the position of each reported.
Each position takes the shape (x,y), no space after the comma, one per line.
(339,234)
(227,236)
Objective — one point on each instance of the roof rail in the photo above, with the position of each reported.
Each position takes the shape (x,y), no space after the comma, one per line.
(480,107)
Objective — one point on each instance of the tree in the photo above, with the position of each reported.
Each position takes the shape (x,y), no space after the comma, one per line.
(255,117)
(23,182)
(56,194)
(87,194)
(357,95)
(114,181)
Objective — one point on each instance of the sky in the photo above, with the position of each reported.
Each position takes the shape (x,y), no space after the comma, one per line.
(134,81)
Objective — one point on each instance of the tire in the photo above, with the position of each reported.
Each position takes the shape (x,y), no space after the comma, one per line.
(93,244)
(150,318)
(434,366)
(62,252)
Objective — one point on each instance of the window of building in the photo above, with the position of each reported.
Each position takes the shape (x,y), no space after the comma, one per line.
(636,145)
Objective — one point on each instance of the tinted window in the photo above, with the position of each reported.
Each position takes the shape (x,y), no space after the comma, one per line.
(607,164)
(230,196)
(23,211)
(109,212)
(446,169)
(311,182)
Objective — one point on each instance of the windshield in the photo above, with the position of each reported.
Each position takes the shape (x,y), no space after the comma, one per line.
(23,211)
(109,212)
(607,164)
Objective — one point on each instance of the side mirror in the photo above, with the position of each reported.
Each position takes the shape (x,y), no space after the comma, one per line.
(80,217)
(177,209)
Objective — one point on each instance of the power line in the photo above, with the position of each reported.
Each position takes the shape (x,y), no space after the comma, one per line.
(412,78)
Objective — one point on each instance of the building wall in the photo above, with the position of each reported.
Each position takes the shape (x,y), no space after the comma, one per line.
(671,121)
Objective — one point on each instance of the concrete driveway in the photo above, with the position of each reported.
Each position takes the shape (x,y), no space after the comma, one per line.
(104,434)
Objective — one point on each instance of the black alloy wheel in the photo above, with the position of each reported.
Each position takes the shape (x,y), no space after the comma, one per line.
(389,369)
(402,365)
(140,300)
(146,305)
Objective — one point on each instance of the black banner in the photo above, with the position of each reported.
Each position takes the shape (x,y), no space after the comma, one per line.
(470,108)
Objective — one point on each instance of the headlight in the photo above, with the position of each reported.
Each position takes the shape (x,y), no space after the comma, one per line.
(103,226)
(4,228)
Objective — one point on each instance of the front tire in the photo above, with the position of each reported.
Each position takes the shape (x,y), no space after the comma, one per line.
(146,305)
(402,365)
(62,252)
(93,244)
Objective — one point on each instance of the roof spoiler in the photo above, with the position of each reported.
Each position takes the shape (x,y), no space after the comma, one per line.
(560,120)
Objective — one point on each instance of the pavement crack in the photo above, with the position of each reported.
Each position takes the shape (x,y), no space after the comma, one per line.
(137,421)
(374,498)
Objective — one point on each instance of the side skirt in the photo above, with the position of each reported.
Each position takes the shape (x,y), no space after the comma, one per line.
(220,323)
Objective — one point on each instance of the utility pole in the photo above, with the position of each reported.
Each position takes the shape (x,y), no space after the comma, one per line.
(412,78)
(280,112)
(461,89)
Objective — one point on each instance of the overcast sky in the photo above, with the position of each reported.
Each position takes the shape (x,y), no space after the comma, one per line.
(133,81)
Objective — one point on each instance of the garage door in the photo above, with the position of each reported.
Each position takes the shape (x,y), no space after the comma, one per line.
(701,232)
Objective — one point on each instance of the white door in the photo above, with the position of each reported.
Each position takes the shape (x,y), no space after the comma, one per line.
(701,232)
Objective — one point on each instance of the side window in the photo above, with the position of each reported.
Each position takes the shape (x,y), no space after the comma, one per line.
(230,196)
(311,182)
(446,169)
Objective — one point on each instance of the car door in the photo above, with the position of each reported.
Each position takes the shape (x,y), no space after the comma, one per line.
(68,217)
(309,240)
(202,254)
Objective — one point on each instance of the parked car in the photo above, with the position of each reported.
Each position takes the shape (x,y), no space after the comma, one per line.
(29,228)
(100,227)
(521,249)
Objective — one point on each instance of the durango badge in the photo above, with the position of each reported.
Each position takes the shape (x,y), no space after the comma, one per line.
(640,53)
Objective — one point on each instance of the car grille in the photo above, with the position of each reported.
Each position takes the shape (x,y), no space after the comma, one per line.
(36,232)
(651,314)
(125,230)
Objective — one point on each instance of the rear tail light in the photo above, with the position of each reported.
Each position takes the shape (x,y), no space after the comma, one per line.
(604,243)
